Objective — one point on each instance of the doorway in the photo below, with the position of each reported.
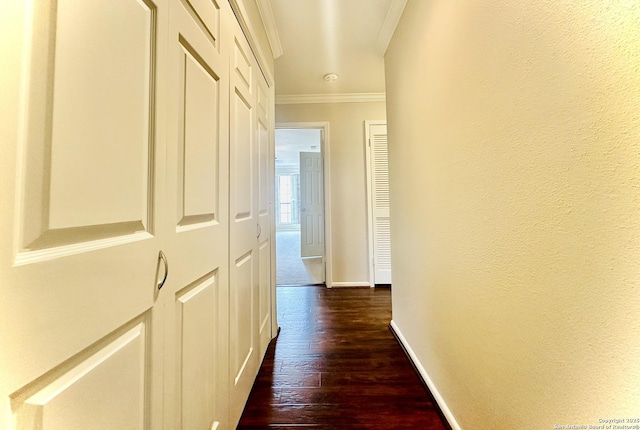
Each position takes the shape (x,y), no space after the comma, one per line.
(300,183)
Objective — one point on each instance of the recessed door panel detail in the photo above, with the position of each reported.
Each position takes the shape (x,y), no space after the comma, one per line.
(243,157)
(84,392)
(242,315)
(196,311)
(89,120)
(242,66)
(198,151)
(262,101)
(263,169)
(206,13)
(264,274)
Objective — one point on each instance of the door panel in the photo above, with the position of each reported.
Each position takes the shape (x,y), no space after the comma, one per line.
(244,228)
(198,152)
(196,327)
(197,350)
(266,176)
(79,255)
(208,15)
(264,308)
(106,182)
(87,161)
(67,397)
(242,64)
(243,159)
(311,205)
(242,327)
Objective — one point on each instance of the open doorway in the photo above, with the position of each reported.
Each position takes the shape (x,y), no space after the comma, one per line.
(300,205)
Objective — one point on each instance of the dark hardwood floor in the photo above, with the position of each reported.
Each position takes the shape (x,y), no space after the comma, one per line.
(337,365)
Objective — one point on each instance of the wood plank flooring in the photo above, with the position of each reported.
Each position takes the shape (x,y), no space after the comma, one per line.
(337,365)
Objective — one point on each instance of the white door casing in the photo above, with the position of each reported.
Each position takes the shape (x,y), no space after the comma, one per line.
(378,202)
(311,205)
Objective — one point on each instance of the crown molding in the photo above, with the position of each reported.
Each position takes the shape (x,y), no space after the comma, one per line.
(389,26)
(330,98)
(269,21)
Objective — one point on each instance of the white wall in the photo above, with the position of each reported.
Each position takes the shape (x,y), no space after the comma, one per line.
(348,193)
(514,135)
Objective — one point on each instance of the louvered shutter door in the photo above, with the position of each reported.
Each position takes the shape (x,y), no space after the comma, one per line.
(380,197)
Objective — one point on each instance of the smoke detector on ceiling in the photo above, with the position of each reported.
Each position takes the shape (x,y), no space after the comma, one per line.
(330,77)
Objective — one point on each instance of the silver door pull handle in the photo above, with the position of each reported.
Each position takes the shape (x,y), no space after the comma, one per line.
(163,257)
(259,230)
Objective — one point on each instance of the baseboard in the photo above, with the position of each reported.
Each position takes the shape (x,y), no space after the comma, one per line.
(350,284)
(444,409)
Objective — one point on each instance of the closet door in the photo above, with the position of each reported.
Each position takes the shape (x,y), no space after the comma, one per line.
(196,325)
(266,175)
(378,195)
(82,170)
(244,226)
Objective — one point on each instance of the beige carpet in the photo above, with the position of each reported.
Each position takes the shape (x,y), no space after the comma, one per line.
(291,269)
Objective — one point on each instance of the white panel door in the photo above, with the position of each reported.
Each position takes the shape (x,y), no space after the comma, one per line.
(244,227)
(311,205)
(82,173)
(196,325)
(266,174)
(378,167)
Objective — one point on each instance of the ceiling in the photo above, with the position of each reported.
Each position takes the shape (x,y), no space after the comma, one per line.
(317,37)
(291,142)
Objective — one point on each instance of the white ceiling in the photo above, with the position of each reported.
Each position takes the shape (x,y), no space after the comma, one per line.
(290,142)
(346,37)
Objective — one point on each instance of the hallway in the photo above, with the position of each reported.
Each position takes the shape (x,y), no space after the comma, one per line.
(336,364)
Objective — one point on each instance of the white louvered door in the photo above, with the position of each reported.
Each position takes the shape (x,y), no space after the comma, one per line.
(378,166)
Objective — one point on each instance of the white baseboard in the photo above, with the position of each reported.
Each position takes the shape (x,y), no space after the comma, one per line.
(425,377)
(350,284)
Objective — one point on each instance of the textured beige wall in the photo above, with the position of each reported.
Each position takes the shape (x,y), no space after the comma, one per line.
(514,133)
(348,179)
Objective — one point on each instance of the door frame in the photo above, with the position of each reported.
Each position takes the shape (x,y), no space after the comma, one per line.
(369,180)
(324,149)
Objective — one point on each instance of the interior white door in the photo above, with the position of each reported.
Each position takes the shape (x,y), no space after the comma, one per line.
(82,174)
(196,324)
(244,225)
(379,202)
(266,169)
(311,205)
